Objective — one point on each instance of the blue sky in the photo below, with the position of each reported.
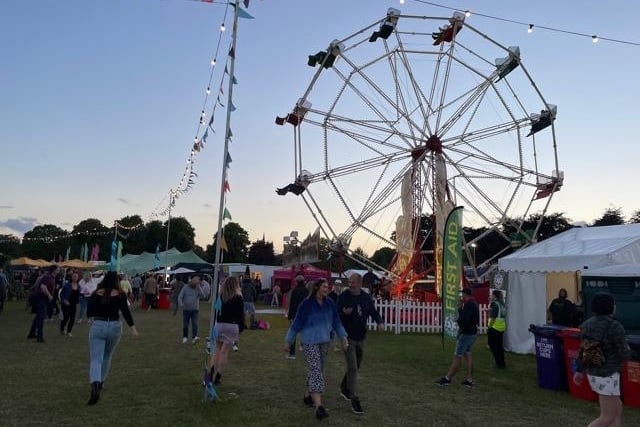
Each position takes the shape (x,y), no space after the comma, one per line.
(100,101)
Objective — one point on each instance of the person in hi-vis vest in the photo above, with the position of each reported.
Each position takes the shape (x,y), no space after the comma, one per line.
(497,326)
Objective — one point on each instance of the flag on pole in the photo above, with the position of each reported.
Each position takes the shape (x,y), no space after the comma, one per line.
(119,256)
(66,257)
(226,214)
(114,255)
(156,259)
(226,188)
(83,250)
(244,14)
(223,244)
(451,272)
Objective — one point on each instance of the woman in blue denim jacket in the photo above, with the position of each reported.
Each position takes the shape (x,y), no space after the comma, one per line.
(316,318)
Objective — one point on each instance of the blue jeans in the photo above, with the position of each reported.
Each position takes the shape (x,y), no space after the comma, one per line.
(103,339)
(464,344)
(83,307)
(40,304)
(189,316)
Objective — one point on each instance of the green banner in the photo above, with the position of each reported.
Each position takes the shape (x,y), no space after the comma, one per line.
(451,272)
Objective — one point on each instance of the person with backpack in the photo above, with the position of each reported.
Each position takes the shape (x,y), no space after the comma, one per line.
(40,299)
(497,326)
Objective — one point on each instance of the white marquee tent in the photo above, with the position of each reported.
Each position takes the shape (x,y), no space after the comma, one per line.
(534,274)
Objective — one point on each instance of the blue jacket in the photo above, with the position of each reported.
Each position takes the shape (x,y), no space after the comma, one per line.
(314,322)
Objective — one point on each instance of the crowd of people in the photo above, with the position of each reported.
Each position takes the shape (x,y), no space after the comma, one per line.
(318,317)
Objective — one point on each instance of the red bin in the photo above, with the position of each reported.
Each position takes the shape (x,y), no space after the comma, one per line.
(631,383)
(164,299)
(571,346)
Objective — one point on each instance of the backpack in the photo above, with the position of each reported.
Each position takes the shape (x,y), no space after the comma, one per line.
(591,354)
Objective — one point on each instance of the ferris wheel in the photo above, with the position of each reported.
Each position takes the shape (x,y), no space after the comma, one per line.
(406,119)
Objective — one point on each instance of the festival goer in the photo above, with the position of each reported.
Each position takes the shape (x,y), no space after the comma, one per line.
(229,324)
(136,284)
(125,285)
(176,287)
(316,318)
(468,320)
(40,300)
(298,294)
(370,281)
(603,329)
(355,306)
(86,288)
(497,326)
(4,288)
(561,309)
(206,289)
(150,291)
(249,295)
(275,295)
(189,299)
(69,297)
(105,306)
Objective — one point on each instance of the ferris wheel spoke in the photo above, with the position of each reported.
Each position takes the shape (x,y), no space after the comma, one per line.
(485,133)
(359,166)
(474,100)
(445,84)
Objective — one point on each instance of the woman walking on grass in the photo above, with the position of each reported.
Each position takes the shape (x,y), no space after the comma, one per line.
(604,374)
(229,324)
(316,318)
(105,306)
(69,297)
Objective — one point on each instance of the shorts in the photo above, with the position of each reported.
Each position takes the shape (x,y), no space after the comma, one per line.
(464,344)
(228,333)
(606,386)
(249,308)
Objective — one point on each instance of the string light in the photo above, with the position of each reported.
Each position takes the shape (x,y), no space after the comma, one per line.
(593,38)
(208,91)
(222,27)
(467,13)
(213,62)
(401,1)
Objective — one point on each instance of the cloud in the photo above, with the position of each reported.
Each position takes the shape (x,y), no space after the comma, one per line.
(21,224)
(207,205)
(6,207)
(126,202)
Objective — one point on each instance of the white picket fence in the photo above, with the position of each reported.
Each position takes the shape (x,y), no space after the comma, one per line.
(415,316)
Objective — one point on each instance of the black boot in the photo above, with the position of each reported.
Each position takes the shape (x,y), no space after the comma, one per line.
(95,393)
(218,379)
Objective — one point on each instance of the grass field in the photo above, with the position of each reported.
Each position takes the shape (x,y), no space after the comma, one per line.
(155,381)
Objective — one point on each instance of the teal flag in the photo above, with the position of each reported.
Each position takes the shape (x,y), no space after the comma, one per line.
(451,272)
(114,253)
(119,256)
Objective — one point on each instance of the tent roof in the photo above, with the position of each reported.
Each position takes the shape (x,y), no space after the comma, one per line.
(578,249)
(135,264)
(620,270)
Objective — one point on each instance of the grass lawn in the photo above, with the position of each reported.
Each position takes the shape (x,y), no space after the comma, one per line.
(155,381)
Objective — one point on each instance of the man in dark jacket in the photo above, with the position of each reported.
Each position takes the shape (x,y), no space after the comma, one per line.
(249,295)
(468,320)
(561,309)
(298,294)
(355,307)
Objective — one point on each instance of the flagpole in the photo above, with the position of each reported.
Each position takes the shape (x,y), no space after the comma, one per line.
(166,245)
(218,254)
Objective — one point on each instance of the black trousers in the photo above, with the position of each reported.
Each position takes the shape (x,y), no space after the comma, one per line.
(496,344)
(68,317)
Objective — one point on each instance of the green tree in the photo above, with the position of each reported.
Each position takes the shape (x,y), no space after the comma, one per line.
(9,248)
(552,224)
(383,256)
(45,241)
(237,240)
(199,250)
(181,234)
(611,216)
(261,253)
(156,235)
(350,263)
(91,231)
(134,237)
(635,217)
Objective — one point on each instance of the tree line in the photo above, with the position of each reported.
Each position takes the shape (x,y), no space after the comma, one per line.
(51,242)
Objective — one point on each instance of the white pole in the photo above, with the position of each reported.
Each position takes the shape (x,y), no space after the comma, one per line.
(218,254)
(166,245)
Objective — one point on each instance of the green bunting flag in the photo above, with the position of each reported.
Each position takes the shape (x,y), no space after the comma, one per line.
(226,214)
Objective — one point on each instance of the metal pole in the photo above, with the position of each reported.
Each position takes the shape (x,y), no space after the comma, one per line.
(218,255)
(166,245)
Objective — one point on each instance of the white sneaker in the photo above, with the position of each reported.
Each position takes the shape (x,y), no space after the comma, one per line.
(195,340)
(69,335)
(184,340)
(235,348)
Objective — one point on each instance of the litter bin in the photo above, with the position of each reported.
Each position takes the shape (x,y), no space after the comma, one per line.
(164,299)
(571,346)
(631,374)
(549,361)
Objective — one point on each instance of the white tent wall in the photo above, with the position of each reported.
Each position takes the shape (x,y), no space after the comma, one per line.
(526,293)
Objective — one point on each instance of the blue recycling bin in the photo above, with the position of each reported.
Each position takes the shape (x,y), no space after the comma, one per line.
(549,357)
